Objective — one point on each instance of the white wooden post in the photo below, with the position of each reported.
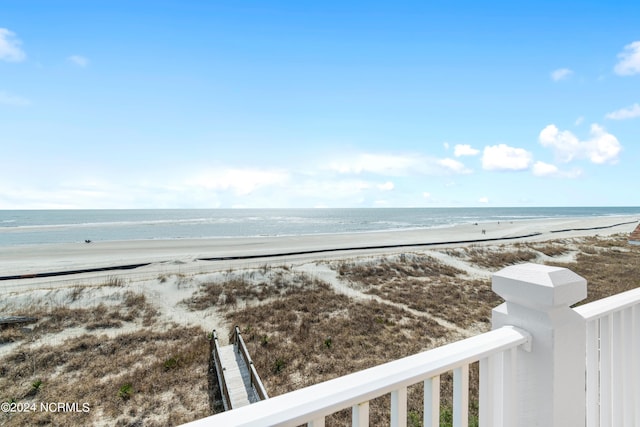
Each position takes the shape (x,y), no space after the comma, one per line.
(550,381)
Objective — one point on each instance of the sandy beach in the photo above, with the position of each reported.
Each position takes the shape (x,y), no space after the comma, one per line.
(222,253)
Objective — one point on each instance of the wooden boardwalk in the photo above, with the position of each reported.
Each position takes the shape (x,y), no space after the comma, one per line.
(237,378)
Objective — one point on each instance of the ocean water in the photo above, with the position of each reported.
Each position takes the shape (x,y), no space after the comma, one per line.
(20,227)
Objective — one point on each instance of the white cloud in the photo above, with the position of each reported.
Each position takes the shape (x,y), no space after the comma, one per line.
(10,47)
(483,200)
(14,100)
(503,157)
(79,60)
(464,150)
(396,165)
(579,121)
(561,74)
(426,195)
(241,181)
(602,147)
(565,144)
(387,186)
(629,60)
(454,166)
(625,113)
(544,169)
(548,170)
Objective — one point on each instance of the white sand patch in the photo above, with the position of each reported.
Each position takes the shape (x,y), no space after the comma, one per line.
(470,270)
(166,296)
(324,272)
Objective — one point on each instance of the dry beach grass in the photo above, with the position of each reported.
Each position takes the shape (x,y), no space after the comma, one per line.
(120,346)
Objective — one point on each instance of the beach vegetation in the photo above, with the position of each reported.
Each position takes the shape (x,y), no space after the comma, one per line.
(494,259)
(35,387)
(551,249)
(118,375)
(12,333)
(125,391)
(278,365)
(610,266)
(171,363)
(114,281)
(264,341)
(328,342)
(245,288)
(414,419)
(76,293)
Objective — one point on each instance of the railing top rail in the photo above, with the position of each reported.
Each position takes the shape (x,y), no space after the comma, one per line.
(606,306)
(262,392)
(260,389)
(239,341)
(322,399)
(220,372)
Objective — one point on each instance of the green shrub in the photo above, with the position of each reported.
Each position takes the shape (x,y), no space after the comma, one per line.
(126,391)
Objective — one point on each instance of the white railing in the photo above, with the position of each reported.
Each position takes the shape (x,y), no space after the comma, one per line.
(613,360)
(311,404)
(254,378)
(224,391)
(532,366)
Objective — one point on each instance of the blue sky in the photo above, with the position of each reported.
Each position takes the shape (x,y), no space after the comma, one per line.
(194,104)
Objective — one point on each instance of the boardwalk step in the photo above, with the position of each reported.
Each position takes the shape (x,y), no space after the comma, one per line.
(237,377)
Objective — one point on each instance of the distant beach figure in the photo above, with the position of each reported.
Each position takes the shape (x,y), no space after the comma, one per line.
(87,241)
(484,231)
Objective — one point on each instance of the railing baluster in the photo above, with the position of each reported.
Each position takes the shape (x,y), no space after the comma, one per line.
(485,392)
(498,409)
(635,369)
(605,371)
(316,423)
(360,415)
(627,367)
(399,407)
(461,396)
(432,402)
(509,361)
(593,360)
(616,370)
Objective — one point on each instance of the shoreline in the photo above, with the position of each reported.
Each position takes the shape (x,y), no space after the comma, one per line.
(47,260)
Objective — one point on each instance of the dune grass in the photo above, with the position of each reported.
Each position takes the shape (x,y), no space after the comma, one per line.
(425,284)
(136,377)
(145,376)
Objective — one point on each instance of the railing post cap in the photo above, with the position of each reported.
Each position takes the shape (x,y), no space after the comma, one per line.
(537,285)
